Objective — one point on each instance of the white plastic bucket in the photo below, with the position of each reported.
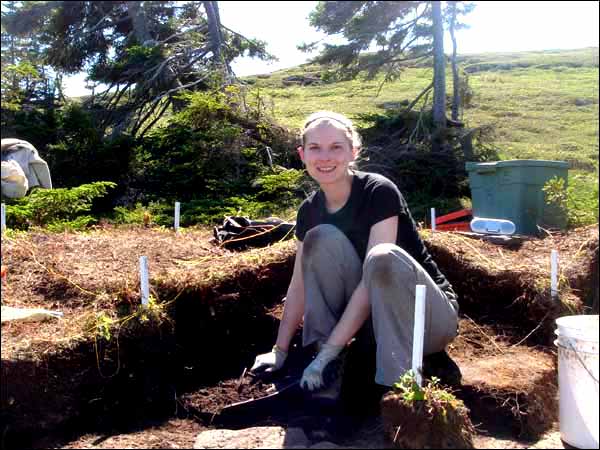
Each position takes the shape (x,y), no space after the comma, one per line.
(578,379)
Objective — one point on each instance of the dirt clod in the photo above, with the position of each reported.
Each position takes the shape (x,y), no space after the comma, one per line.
(426,424)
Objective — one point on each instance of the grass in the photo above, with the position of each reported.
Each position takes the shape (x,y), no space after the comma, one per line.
(290,105)
(536,112)
(542,105)
(582,57)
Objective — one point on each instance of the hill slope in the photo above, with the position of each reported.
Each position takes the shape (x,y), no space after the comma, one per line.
(542,105)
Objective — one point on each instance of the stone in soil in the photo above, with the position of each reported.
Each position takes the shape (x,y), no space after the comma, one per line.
(255,437)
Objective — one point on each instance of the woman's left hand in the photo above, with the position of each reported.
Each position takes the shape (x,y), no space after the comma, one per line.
(312,378)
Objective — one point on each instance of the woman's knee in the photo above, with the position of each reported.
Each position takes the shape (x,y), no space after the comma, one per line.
(318,238)
(388,265)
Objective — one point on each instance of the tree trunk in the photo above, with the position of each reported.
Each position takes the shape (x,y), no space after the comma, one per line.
(455,77)
(13,61)
(228,72)
(216,38)
(467,145)
(214,29)
(439,70)
(138,18)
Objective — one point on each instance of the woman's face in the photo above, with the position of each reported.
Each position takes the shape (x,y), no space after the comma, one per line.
(327,153)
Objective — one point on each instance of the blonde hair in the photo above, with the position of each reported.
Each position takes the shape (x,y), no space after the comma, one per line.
(330,116)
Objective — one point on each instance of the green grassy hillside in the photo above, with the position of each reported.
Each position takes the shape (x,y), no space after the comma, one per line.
(542,105)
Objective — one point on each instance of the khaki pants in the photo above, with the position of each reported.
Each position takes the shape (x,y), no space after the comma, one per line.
(332,270)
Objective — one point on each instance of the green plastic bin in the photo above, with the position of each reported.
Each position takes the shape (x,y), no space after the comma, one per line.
(512,190)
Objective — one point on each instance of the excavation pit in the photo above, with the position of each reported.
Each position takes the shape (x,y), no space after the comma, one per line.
(61,382)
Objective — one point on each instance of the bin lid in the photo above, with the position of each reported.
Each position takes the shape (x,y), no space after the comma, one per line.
(470,166)
(492,226)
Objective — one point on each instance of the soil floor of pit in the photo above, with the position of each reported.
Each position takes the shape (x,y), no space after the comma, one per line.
(192,416)
(182,433)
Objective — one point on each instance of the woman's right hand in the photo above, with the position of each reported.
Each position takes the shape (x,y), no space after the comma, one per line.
(269,362)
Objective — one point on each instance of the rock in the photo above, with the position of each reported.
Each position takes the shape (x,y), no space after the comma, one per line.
(550,440)
(289,83)
(319,435)
(295,437)
(583,101)
(294,78)
(393,105)
(325,444)
(256,437)
(303,80)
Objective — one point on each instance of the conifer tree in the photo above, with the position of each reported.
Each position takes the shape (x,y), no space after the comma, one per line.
(27,80)
(146,53)
(383,36)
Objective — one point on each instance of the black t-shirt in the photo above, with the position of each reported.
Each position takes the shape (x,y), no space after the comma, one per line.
(373,198)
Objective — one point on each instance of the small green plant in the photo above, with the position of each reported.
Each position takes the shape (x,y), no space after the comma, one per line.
(281,183)
(78,224)
(102,326)
(556,193)
(433,392)
(135,215)
(409,388)
(153,312)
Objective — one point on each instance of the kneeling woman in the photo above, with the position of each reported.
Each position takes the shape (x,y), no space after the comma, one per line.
(358,255)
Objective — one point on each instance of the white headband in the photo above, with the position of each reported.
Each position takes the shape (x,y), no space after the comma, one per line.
(327,117)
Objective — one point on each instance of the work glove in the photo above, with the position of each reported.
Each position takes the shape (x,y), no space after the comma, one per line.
(312,378)
(269,362)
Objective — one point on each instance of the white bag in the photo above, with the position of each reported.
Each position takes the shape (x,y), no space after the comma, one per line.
(26,155)
(14,181)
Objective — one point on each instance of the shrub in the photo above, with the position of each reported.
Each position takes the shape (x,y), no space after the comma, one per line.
(281,183)
(53,207)
(399,145)
(579,200)
(218,155)
(129,216)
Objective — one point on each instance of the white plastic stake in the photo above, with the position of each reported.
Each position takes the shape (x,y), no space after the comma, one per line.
(145,287)
(419,332)
(3,226)
(177,205)
(432,219)
(554,273)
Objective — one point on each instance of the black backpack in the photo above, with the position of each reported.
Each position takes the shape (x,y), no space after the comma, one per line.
(240,233)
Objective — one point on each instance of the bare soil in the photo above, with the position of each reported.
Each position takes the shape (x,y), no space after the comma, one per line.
(161,379)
